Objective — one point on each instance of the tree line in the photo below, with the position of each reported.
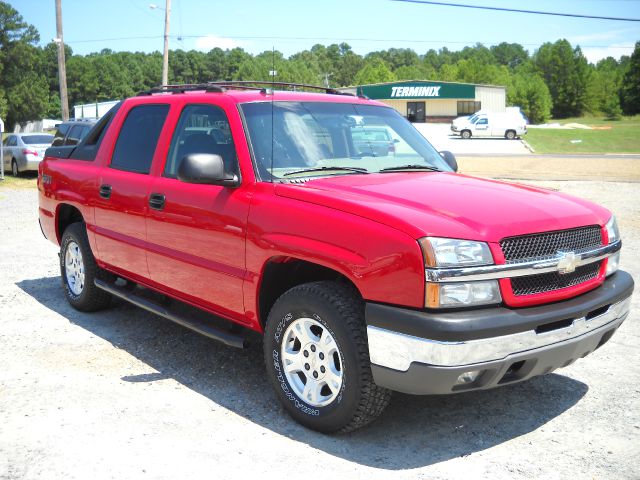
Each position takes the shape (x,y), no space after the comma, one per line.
(556,80)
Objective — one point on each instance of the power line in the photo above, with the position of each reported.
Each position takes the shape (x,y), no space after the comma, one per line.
(534,12)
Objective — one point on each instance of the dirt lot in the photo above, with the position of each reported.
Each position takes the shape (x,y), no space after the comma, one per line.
(125,394)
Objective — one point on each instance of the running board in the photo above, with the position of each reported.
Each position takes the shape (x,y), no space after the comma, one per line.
(202,327)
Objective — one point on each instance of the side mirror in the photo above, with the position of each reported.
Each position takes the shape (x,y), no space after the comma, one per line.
(450,158)
(207,169)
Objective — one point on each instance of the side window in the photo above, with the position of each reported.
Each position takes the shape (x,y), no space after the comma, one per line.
(13,141)
(482,121)
(62,130)
(88,147)
(138,138)
(75,135)
(201,129)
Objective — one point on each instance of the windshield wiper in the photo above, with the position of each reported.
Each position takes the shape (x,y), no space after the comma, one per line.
(411,167)
(322,169)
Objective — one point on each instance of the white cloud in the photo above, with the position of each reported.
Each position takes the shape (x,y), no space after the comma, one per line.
(212,41)
(615,50)
(598,36)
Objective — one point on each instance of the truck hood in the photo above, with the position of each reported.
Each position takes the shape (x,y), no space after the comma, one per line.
(448,204)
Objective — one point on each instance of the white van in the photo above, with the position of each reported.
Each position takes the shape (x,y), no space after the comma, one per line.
(488,124)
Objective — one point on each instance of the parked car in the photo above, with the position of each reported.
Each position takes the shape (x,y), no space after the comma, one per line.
(373,140)
(508,125)
(23,152)
(364,274)
(72,131)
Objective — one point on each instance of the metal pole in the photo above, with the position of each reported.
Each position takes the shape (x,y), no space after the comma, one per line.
(165,56)
(62,70)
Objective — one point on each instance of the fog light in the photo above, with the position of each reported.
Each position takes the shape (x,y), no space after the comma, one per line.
(612,263)
(468,377)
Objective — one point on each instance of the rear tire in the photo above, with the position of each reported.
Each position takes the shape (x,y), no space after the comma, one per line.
(317,358)
(466,134)
(78,270)
(510,135)
(14,168)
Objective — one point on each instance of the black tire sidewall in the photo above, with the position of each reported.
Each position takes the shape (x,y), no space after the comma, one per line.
(337,414)
(72,234)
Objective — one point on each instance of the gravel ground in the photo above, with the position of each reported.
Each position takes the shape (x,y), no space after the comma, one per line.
(125,394)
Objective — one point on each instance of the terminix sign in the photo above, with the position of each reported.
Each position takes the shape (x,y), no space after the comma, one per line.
(418,90)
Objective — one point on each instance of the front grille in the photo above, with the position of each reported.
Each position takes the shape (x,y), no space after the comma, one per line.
(547,282)
(540,246)
(543,246)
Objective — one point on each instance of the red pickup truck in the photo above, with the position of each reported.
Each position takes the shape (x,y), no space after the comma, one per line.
(367,269)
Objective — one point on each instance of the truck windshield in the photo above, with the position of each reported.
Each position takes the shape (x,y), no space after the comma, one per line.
(293,139)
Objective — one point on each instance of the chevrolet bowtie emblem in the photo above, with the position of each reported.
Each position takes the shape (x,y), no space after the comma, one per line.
(567,262)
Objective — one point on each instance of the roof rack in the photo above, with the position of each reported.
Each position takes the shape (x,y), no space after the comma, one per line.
(188,87)
(221,86)
(242,83)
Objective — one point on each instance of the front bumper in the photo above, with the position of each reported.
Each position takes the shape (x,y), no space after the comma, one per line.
(427,353)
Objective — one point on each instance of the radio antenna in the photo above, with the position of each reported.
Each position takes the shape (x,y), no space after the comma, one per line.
(272,73)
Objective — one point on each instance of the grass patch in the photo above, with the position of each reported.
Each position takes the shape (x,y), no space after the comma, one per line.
(26,180)
(611,136)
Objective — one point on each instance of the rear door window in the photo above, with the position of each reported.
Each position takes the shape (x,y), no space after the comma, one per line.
(138,137)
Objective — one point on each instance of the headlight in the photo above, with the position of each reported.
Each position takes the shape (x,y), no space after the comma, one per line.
(613,262)
(614,235)
(612,230)
(447,252)
(467,294)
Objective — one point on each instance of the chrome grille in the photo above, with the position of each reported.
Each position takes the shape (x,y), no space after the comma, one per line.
(540,246)
(547,282)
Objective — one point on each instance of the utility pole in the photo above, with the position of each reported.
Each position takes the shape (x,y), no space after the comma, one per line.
(165,56)
(62,69)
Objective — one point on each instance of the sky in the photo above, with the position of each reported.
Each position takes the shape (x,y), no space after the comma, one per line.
(367,25)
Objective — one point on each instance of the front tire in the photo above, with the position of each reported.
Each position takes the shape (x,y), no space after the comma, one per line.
(466,134)
(317,358)
(510,135)
(78,270)
(14,168)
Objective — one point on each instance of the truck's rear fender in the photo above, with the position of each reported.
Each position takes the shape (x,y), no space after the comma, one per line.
(66,188)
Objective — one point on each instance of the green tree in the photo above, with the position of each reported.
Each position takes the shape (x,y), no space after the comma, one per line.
(374,71)
(567,75)
(630,94)
(20,62)
(511,55)
(530,93)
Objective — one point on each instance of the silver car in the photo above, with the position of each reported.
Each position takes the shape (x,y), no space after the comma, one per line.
(23,151)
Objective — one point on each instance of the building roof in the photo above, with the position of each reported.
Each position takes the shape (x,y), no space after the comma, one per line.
(402,82)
